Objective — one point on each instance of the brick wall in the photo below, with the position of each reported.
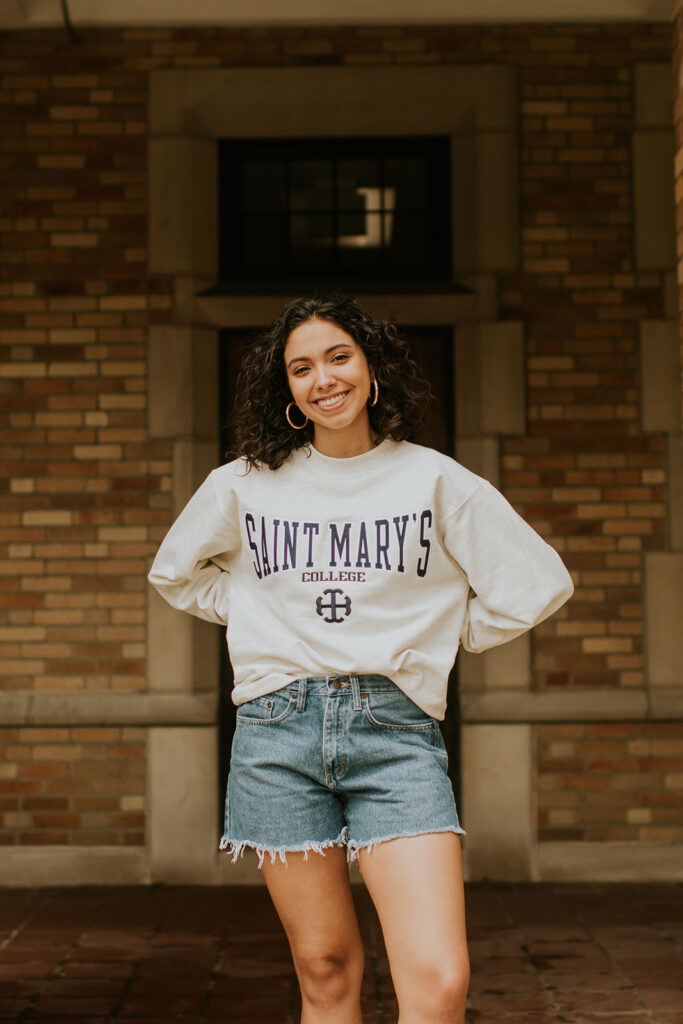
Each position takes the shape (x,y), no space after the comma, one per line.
(84,497)
(80,785)
(611,781)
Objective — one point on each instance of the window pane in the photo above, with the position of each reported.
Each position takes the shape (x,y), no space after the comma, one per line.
(264,241)
(312,231)
(360,230)
(264,185)
(311,185)
(353,175)
(370,208)
(409,178)
(410,242)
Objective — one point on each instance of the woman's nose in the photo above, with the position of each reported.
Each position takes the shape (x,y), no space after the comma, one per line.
(323,376)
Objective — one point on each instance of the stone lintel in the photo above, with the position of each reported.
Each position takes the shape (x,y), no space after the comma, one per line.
(294,101)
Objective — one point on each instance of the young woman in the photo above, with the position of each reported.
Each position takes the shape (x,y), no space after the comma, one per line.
(348,565)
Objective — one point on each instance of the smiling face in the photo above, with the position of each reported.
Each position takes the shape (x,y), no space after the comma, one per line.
(329,378)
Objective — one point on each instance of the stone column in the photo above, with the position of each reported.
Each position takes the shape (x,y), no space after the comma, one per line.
(677,44)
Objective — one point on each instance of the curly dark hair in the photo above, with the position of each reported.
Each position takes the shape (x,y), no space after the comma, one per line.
(263,435)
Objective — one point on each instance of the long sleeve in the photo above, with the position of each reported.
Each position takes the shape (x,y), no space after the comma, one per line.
(191,567)
(516,579)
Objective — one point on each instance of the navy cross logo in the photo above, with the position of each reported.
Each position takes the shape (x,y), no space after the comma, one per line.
(333,605)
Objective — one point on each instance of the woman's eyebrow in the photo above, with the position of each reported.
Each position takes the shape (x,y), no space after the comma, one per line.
(303,359)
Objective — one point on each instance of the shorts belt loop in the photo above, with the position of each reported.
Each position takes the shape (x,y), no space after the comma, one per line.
(355,690)
(301,696)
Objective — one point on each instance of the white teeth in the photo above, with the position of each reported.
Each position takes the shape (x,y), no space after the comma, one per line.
(327,403)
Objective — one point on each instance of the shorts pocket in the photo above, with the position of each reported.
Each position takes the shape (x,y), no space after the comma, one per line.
(396,711)
(268,710)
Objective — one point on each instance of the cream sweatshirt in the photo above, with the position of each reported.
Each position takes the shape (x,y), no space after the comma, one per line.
(381,563)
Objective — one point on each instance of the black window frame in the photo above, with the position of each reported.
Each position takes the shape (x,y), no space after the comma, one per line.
(434,150)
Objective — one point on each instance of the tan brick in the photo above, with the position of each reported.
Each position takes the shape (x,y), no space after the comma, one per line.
(97,451)
(57,752)
(62,161)
(48,517)
(74,240)
(23,369)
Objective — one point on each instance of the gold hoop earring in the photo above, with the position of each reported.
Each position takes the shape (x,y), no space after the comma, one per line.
(376,395)
(295,426)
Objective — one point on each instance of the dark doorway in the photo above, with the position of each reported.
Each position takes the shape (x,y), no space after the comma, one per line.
(432,348)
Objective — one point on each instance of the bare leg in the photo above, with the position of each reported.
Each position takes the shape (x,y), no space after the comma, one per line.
(313,900)
(416,885)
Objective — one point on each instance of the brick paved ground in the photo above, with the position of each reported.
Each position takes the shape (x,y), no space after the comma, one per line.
(541,954)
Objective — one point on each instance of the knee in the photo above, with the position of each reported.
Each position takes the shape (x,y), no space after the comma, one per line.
(444,990)
(328,977)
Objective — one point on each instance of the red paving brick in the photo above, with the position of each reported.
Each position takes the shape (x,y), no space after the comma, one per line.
(544,954)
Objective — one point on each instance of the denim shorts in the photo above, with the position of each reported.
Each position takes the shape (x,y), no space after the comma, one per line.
(335,761)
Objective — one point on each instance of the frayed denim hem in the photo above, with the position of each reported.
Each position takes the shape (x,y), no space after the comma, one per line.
(353,847)
(235,848)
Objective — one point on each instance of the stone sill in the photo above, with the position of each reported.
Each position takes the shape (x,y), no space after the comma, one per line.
(571,705)
(38,708)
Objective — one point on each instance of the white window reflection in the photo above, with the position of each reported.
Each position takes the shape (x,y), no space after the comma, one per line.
(379,219)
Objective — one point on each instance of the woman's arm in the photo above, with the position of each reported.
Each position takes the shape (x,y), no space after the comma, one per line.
(190,569)
(516,578)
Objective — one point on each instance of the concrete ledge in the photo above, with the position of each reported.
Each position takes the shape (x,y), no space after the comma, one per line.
(570,706)
(610,862)
(55,708)
(29,866)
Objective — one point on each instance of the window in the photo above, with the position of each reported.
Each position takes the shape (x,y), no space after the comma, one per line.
(327,210)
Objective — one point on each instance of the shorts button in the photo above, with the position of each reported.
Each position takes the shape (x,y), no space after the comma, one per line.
(335,684)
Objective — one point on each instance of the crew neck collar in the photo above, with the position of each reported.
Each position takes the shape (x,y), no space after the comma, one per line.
(333,462)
